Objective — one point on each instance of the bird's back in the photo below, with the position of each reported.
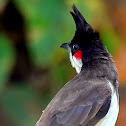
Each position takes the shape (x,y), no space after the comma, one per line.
(78,97)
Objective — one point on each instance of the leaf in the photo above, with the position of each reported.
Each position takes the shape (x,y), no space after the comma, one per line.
(6,59)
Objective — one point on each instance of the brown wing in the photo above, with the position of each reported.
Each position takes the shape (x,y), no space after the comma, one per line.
(84,104)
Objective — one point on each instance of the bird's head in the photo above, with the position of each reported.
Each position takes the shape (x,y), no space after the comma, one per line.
(85,45)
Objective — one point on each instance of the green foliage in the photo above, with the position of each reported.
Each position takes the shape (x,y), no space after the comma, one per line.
(6,59)
(20,105)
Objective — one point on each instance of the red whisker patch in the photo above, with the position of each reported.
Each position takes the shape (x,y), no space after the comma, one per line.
(78,54)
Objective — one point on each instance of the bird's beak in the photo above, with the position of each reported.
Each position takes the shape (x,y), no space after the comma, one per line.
(65,45)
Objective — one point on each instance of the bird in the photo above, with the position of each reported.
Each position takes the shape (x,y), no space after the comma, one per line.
(91,98)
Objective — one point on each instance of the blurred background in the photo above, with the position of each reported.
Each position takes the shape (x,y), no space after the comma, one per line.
(33,68)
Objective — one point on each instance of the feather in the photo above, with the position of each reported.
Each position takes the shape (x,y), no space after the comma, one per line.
(81,23)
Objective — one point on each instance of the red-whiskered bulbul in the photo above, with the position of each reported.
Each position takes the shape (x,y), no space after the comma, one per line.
(91,97)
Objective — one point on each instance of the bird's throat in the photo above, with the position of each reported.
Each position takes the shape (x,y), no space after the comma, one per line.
(76,61)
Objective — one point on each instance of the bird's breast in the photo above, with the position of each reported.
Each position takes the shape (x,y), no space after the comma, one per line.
(111,116)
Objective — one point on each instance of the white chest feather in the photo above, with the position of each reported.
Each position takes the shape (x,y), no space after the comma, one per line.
(77,64)
(111,116)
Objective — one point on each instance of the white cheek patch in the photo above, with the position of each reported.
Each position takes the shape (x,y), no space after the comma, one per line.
(76,63)
(71,59)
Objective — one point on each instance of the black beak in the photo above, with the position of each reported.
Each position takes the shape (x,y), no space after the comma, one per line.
(65,45)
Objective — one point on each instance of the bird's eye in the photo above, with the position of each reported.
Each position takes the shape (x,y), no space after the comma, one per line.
(75,47)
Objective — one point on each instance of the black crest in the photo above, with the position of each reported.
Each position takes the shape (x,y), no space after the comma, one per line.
(81,23)
(85,34)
